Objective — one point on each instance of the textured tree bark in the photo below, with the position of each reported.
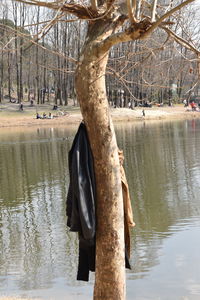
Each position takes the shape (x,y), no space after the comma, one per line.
(91,93)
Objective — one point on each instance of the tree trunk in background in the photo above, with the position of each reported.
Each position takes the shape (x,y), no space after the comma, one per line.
(16,53)
(58,91)
(91,93)
(9,75)
(2,77)
(22,20)
(44,86)
(28,81)
(37,85)
(65,49)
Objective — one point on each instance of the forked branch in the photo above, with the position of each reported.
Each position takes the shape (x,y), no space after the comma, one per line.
(165,16)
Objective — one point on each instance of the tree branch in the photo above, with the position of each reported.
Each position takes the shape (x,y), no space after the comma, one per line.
(132,33)
(165,16)
(47,21)
(138,30)
(81,11)
(131,11)
(181,41)
(52,5)
(28,41)
(187,45)
(153,14)
(94,5)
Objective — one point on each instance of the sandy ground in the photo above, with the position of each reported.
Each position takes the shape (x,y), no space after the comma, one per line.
(10,116)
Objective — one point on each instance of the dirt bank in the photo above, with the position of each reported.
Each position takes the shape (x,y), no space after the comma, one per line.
(10,116)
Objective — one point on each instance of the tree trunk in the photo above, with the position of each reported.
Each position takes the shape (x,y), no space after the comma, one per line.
(21,71)
(1,77)
(91,93)
(22,21)
(44,86)
(9,75)
(37,74)
(16,54)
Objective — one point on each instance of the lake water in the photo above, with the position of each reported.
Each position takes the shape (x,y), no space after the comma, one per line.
(38,256)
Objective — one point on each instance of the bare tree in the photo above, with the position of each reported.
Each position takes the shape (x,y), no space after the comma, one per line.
(4,15)
(108,25)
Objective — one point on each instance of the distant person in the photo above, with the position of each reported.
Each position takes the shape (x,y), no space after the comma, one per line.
(31,101)
(38,116)
(143,113)
(55,107)
(193,105)
(50,116)
(185,103)
(44,115)
(21,106)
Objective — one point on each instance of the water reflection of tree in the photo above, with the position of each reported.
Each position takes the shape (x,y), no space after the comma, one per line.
(161,168)
(28,160)
(36,246)
(161,163)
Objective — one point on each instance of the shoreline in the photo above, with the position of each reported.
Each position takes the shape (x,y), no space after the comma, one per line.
(27,118)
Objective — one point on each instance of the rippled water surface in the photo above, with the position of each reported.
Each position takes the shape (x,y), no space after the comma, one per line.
(38,256)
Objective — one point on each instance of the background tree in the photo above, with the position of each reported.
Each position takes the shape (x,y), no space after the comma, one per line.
(137,71)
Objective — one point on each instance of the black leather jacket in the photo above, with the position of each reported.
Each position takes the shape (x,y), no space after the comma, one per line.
(81,215)
(81,193)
